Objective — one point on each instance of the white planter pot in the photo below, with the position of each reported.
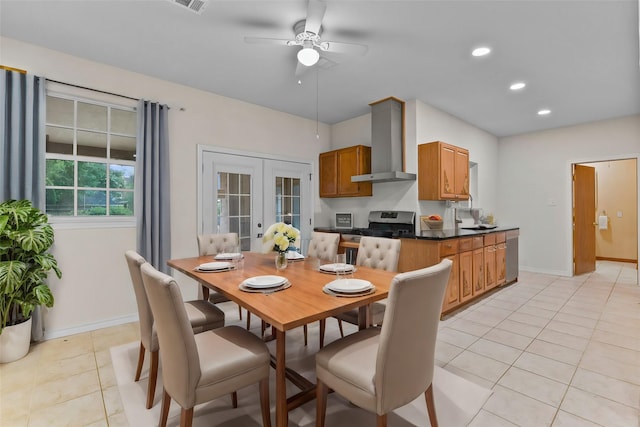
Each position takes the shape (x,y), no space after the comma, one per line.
(15,341)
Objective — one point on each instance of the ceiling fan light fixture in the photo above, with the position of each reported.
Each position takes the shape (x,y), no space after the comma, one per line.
(308,56)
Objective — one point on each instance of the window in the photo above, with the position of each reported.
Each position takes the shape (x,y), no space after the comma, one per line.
(90,158)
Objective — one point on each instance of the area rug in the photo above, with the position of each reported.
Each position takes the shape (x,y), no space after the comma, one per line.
(457,399)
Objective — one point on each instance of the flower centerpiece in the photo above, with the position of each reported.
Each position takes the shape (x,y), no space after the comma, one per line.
(279,237)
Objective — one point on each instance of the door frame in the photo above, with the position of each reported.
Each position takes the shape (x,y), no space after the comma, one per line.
(202,148)
(569,197)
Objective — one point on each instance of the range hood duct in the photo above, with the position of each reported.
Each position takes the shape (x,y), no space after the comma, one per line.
(387,143)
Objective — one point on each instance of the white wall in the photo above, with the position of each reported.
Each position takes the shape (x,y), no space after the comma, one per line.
(95,289)
(535,184)
(423,123)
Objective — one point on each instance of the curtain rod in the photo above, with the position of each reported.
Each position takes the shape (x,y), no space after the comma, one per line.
(92,89)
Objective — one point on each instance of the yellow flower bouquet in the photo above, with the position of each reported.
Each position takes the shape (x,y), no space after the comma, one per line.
(279,237)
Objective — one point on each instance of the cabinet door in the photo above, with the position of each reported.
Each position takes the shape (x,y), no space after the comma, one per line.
(478,269)
(447,171)
(466,275)
(328,166)
(353,161)
(461,182)
(489,267)
(501,263)
(452,294)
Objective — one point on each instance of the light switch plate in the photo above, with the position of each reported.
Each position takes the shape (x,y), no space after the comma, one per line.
(619,214)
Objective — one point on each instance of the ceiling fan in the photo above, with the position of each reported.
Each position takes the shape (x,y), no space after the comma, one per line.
(307,36)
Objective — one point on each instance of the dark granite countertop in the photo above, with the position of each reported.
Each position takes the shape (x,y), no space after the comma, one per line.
(430,234)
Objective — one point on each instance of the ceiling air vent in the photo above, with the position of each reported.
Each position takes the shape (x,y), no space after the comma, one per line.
(193,5)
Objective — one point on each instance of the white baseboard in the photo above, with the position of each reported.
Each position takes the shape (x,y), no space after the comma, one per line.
(545,271)
(87,327)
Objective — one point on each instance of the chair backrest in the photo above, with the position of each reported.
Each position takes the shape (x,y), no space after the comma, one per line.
(405,360)
(212,244)
(179,355)
(379,252)
(324,245)
(148,339)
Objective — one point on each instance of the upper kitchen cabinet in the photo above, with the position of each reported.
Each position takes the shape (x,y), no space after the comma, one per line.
(338,166)
(443,172)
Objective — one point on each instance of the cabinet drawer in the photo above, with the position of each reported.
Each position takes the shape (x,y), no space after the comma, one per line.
(478,242)
(501,237)
(448,247)
(465,244)
(490,239)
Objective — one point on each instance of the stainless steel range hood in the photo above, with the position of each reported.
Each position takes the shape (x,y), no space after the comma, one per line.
(387,143)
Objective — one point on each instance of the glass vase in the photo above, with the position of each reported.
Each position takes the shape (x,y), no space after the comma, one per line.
(281,261)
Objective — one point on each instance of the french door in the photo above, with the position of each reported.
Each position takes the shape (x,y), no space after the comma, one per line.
(245,194)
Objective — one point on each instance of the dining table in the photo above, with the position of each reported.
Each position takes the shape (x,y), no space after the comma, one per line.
(303,302)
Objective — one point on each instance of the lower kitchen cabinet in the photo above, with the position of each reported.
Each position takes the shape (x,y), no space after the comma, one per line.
(479,264)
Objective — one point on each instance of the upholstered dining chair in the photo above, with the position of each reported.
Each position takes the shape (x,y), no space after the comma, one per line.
(381,369)
(213,244)
(375,252)
(197,368)
(202,315)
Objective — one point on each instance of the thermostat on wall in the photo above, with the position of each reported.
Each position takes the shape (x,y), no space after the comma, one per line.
(344,220)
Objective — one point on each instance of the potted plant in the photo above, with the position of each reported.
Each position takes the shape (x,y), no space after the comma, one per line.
(25,238)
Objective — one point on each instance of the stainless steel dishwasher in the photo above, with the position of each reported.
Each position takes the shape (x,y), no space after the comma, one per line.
(512,255)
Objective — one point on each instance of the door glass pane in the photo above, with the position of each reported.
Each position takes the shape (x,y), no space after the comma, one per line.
(287,203)
(234,206)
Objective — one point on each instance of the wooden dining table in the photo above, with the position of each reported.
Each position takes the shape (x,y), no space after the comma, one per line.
(302,303)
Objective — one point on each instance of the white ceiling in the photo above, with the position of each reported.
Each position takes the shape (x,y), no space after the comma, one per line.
(579,57)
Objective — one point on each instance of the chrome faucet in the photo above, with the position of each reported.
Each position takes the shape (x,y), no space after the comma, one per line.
(456,220)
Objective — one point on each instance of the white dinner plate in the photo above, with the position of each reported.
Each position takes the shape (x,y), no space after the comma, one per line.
(214,266)
(258,282)
(333,268)
(349,286)
(229,255)
(292,255)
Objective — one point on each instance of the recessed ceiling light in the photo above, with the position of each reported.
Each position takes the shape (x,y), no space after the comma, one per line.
(517,86)
(481,51)
(544,112)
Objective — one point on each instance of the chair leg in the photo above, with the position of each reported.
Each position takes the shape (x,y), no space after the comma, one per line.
(381,421)
(305,329)
(323,325)
(248,320)
(264,402)
(234,399)
(340,327)
(164,410)
(321,402)
(153,377)
(431,406)
(140,361)
(186,417)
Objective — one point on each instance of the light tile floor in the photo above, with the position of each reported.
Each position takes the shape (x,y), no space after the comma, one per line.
(556,351)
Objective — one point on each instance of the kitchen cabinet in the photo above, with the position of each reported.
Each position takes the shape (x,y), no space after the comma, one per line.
(443,172)
(479,264)
(338,166)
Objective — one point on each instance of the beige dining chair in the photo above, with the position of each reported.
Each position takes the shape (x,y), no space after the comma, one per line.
(202,316)
(375,252)
(197,368)
(213,244)
(381,369)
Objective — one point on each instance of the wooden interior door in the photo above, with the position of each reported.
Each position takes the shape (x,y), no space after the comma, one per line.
(584,219)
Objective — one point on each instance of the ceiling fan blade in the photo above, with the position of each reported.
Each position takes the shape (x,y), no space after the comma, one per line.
(266,40)
(340,47)
(315,13)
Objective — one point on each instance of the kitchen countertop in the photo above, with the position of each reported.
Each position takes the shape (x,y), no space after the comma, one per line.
(451,233)
(444,234)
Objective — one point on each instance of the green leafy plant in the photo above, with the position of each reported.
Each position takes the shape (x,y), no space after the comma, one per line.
(25,238)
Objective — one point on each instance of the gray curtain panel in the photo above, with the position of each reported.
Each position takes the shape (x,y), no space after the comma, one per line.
(22,125)
(152,205)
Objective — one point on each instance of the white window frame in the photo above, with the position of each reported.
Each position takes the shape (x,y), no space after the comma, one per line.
(92,221)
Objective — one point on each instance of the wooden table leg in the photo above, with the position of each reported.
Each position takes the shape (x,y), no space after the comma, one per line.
(282,415)
(362,317)
(205,293)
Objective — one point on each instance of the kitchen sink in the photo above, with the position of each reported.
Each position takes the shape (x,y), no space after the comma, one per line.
(479,227)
